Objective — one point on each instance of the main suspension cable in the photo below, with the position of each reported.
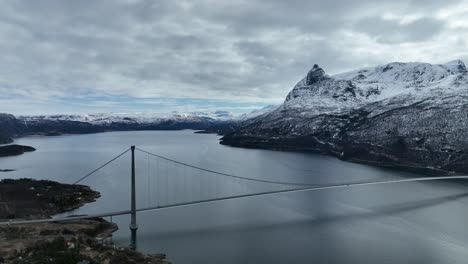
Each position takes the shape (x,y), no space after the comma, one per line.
(100,167)
(225,174)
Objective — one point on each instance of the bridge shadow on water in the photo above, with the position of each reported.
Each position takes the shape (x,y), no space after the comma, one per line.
(369,214)
(323,237)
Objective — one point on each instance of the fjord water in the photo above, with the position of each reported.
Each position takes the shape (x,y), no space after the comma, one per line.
(401,223)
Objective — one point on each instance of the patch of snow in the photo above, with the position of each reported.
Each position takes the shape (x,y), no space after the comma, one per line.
(255,113)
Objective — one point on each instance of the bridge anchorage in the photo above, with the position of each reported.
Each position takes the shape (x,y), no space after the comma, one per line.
(172,183)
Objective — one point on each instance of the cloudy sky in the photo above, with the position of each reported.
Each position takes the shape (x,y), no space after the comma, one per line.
(85,56)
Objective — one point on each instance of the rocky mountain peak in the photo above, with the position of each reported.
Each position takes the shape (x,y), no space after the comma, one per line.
(397,113)
(315,74)
(456,66)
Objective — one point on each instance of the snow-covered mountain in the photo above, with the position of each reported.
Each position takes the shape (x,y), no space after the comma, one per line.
(210,122)
(413,114)
(350,90)
(136,117)
(91,123)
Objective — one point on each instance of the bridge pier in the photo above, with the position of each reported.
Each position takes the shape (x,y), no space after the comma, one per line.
(133,224)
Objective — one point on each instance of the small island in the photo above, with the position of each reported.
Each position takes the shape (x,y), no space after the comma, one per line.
(14,149)
(78,241)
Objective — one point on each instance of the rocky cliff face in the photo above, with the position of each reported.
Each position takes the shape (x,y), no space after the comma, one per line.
(404,114)
(10,127)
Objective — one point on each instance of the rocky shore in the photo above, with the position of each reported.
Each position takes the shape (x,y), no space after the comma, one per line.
(33,199)
(79,241)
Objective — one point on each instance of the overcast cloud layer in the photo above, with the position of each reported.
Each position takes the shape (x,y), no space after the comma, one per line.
(133,55)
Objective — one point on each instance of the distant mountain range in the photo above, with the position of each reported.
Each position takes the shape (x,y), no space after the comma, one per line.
(132,118)
(11,126)
(408,115)
(411,115)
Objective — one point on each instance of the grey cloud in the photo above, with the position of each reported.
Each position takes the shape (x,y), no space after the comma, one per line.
(257,50)
(390,31)
(238,50)
(251,17)
(307,16)
(433,5)
(176,42)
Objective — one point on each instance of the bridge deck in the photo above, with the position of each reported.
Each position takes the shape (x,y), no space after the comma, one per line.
(303,189)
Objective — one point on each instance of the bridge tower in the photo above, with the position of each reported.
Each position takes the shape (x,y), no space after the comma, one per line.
(133,224)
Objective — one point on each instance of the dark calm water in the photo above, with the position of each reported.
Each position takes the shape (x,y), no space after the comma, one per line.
(403,223)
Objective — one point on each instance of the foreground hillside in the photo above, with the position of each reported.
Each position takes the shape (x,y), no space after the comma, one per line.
(399,114)
(78,241)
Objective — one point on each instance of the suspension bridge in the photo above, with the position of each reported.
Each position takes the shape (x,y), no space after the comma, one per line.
(168,183)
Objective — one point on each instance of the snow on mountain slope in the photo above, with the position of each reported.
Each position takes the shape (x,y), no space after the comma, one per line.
(320,93)
(151,118)
(414,114)
(396,78)
(140,117)
(258,112)
(213,122)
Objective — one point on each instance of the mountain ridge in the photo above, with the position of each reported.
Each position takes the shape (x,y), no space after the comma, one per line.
(51,125)
(405,114)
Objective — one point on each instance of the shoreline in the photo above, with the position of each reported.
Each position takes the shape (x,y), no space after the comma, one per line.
(53,242)
(32,199)
(427,171)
